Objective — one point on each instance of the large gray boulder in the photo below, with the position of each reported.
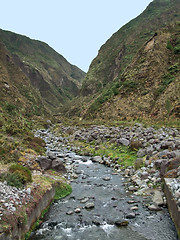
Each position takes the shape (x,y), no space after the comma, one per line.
(58,166)
(44,162)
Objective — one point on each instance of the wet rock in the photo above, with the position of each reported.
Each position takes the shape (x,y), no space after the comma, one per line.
(77,210)
(154,207)
(131,201)
(114,199)
(130,215)
(106,178)
(89,205)
(74,176)
(97,159)
(69,212)
(120,223)
(84,200)
(96,222)
(52,224)
(134,208)
(157,198)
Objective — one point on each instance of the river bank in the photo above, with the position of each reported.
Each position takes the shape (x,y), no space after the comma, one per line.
(21,209)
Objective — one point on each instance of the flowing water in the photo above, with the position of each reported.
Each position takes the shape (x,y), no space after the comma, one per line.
(102,188)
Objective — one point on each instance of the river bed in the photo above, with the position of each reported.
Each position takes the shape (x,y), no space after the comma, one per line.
(97,206)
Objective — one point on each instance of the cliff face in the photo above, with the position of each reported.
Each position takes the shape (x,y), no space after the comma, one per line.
(132,75)
(56,80)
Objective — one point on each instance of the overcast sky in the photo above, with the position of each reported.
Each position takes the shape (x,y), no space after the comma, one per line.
(74,28)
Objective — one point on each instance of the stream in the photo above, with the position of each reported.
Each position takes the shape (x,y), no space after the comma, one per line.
(99,205)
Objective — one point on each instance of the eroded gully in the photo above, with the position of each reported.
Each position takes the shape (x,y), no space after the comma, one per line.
(99,203)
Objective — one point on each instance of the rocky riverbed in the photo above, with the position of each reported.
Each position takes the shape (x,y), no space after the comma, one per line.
(108,202)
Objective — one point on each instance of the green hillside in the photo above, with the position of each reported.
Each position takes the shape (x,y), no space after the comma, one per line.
(56,79)
(109,71)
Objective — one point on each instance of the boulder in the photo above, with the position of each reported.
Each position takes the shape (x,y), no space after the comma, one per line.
(89,205)
(141,153)
(157,198)
(77,210)
(123,141)
(120,223)
(106,178)
(154,207)
(97,159)
(131,215)
(58,166)
(44,162)
(51,155)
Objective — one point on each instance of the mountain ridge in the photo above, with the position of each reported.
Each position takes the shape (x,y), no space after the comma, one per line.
(49,72)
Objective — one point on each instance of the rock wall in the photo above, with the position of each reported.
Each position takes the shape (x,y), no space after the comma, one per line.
(20,230)
(174,210)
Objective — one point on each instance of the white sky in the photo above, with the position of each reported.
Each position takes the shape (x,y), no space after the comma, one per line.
(74,28)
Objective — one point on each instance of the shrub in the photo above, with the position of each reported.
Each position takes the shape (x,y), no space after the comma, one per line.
(23,173)
(12,179)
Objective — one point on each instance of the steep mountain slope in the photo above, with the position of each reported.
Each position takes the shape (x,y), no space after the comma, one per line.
(16,92)
(150,86)
(49,72)
(19,102)
(115,55)
(118,65)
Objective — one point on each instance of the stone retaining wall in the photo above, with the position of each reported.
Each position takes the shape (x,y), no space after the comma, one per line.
(19,231)
(172,205)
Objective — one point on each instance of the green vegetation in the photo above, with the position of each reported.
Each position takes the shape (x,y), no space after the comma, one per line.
(111,90)
(23,173)
(62,190)
(12,179)
(117,53)
(17,176)
(16,135)
(167,79)
(123,155)
(49,74)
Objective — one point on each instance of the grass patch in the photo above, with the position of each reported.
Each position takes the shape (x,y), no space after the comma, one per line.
(122,155)
(62,191)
